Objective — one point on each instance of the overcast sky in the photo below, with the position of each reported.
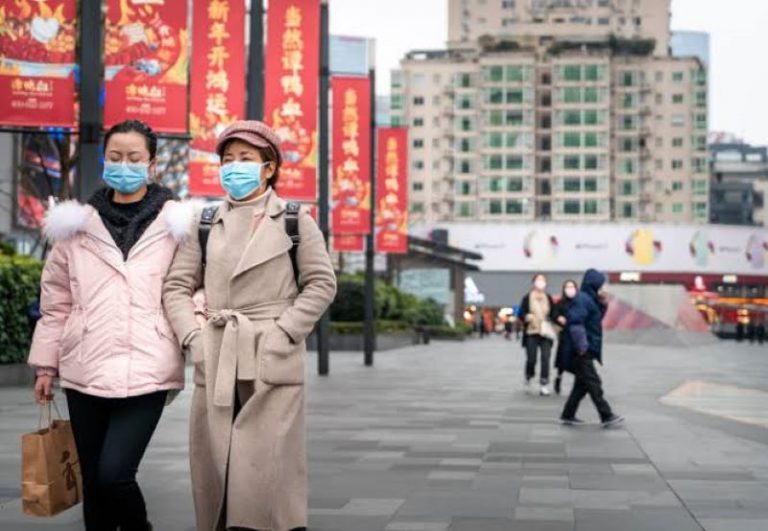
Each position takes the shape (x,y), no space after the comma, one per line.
(738,31)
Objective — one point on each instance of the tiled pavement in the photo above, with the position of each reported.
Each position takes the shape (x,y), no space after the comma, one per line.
(442,438)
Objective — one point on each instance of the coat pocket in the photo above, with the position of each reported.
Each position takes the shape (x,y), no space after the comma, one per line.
(281,361)
(73,336)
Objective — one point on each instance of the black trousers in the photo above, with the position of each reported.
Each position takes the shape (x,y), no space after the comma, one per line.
(587,383)
(534,344)
(111,435)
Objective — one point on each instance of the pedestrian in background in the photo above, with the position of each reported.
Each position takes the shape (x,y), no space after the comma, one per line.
(585,326)
(538,313)
(265,290)
(562,361)
(103,331)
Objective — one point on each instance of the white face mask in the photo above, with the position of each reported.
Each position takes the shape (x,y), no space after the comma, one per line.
(570,292)
(540,285)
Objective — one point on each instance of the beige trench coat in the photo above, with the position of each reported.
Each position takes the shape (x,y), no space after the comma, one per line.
(250,472)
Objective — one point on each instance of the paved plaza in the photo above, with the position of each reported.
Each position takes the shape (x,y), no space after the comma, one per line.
(443,438)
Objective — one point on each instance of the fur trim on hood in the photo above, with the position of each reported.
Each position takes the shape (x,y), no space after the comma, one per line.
(65,220)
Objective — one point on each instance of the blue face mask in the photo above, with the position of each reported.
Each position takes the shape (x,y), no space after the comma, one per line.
(241,179)
(126,178)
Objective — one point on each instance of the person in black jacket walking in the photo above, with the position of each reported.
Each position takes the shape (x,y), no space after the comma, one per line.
(585,327)
(537,314)
(570,290)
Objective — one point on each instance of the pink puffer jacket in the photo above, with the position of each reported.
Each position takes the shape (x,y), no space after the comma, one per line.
(103,325)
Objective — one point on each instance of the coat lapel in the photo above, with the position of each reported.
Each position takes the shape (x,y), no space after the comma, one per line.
(99,241)
(268,241)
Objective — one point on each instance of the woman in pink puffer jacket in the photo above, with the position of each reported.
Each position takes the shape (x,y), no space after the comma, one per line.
(103,330)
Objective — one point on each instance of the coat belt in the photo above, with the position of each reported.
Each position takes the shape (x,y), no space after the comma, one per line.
(237,353)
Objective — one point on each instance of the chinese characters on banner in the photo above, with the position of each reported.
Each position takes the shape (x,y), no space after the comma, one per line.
(348,243)
(291,91)
(37,63)
(146,56)
(351,191)
(392,191)
(218,93)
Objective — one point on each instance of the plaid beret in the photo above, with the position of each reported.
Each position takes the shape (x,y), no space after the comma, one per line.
(253,132)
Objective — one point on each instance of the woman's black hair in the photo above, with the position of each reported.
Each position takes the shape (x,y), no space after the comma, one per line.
(570,281)
(135,126)
(537,275)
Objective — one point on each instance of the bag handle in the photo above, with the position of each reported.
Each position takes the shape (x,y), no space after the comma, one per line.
(47,407)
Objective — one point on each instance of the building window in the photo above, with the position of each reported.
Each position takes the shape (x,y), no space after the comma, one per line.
(590,185)
(515,73)
(418,122)
(678,77)
(417,208)
(418,143)
(590,207)
(436,143)
(465,210)
(418,186)
(571,207)
(572,118)
(572,140)
(627,210)
(572,95)
(571,162)
(515,96)
(590,140)
(465,188)
(626,188)
(677,186)
(677,164)
(677,98)
(495,140)
(418,100)
(514,184)
(515,163)
(514,206)
(572,73)
(700,187)
(701,99)
(508,4)
(396,101)
(678,120)
(494,74)
(677,142)
(701,209)
(677,208)
(590,118)
(495,184)
(494,206)
(494,96)
(418,164)
(396,121)
(466,124)
(465,102)
(700,165)
(515,118)
(603,21)
(465,146)
(701,121)
(465,167)
(591,162)
(496,118)
(494,162)
(465,80)
(628,166)
(572,185)
(593,73)
(627,79)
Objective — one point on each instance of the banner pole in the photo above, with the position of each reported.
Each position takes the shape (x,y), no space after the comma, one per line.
(255,83)
(370,239)
(91,120)
(323,361)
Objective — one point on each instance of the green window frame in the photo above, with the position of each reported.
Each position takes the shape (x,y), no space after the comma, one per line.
(494,207)
(590,184)
(572,95)
(496,118)
(495,184)
(515,73)
(572,73)
(572,118)
(591,95)
(590,140)
(514,184)
(571,206)
(571,162)
(495,96)
(590,207)
(572,184)
(495,74)
(571,140)
(590,117)
(677,208)
(495,140)
(515,96)
(495,162)
(515,162)
(592,73)
(678,77)
(514,206)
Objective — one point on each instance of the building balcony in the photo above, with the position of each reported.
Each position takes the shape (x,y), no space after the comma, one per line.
(645,153)
(646,197)
(646,177)
(449,91)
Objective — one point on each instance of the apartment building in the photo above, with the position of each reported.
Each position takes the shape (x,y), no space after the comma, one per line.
(543,128)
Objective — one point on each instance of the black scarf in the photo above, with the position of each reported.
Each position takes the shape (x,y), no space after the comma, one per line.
(127,222)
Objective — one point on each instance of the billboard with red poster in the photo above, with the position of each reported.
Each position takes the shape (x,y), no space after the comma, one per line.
(146,61)
(218,95)
(37,63)
(348,243)
(392,191)
(351,190)
(291,91)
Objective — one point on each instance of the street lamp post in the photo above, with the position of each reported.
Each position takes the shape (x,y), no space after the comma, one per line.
(323,361)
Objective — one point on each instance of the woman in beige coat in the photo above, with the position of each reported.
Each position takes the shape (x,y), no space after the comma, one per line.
(247,436)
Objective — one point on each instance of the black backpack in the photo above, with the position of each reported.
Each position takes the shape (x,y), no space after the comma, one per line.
(292,210)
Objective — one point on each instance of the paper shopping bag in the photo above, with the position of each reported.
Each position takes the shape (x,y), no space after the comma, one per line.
(50,470)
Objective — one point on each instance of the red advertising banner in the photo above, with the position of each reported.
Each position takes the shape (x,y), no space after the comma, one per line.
(146,60)
(291,91)
(218,93)
(392,191)
(351,191)
(37,63)
(348,243)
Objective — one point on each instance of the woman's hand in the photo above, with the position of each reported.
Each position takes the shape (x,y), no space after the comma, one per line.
(44,389)
(562,320)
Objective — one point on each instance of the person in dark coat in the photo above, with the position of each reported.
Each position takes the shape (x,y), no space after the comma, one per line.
(562,361)
(537,311)
(585,327)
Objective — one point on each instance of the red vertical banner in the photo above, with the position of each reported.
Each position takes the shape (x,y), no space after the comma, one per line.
(146,62)
(218,93)
(37,63)
(392,191)
(348,243)
(291,91)
(351,191)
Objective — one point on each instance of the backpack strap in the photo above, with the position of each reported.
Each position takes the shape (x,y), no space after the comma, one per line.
(292,210)
(204,230)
